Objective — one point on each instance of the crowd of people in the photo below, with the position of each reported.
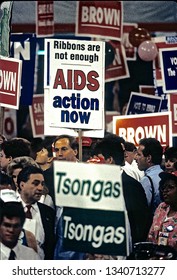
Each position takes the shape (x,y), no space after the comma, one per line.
(31,224)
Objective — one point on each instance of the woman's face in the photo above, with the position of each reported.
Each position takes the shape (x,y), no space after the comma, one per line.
(15,175)
(169,164)
(169,192)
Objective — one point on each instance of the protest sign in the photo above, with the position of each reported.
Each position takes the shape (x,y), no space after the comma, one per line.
(142,104)
(147,89)
(94,209)
(130,51)
(23,47)
(10,123)
(44,18)
(133,128)
(168,61)
(172,104)
(10,81)
(161,43)
(99,19)
(74,76)
(36,111)
(118,69)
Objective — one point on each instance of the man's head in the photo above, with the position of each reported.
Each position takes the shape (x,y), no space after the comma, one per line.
(66,148)
(111,147)
(13,148)
(31,184)
(16,165)
(149,153)
(12,218)
(130,151)
(44,156)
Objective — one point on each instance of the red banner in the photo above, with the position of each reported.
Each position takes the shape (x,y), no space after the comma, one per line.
(37,115)
(135,127)
(10,78)
(44,18)
(100,19)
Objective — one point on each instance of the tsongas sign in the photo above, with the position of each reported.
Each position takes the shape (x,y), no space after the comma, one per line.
(94,216)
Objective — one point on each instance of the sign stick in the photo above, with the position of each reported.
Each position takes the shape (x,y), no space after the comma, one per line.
(80,144)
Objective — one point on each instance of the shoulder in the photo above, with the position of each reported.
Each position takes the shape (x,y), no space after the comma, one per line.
(26,253)
(45,209)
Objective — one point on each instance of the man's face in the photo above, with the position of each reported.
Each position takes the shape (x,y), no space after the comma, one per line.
(42,156)
(141,160)
(3,161)
(32,190)
(63,150)
(130,156)
(9,231)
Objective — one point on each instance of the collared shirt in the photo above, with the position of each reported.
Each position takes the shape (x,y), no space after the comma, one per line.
(21,252)
(35,226)
(161,223)
(132,170)
(153,172)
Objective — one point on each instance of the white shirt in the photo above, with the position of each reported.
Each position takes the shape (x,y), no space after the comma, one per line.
(22,252)
(132,170)
(35,226)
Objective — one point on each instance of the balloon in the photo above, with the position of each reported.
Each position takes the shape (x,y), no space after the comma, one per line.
(147,50)
(138,35)
(109,54)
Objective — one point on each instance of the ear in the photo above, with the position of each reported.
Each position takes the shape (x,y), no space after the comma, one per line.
(149,158)
(10,159)
(75,152)
(50,159)
(21,185)
(109,160)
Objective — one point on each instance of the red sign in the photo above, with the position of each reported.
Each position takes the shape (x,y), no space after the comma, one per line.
(37,115)
(118,69)
(10,78)
(172,101)
(99,19)
(131,52)
(135,127)
(44,18)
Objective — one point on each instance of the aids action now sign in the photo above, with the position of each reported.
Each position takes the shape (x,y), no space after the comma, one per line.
(74,76)
(135,127)
(10,81)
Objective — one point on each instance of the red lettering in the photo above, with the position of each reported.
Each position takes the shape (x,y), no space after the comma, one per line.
(76,79)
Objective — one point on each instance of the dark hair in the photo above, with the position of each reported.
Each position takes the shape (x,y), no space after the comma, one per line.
(170,152)
(12,209)
(129,146)
(15,148)
(5,179)
(25,173)
(152,147)
(72,141)
(47,144)
(110,146)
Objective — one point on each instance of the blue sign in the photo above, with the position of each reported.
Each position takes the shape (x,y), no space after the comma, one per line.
(168,60)
(23,47)
(140,103)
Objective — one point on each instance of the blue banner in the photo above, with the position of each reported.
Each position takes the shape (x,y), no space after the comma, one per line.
(23,47)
